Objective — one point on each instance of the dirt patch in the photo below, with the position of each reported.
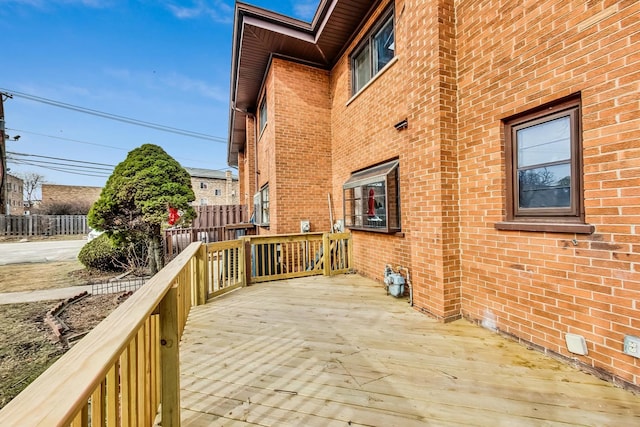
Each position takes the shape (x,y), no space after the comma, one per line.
(50,275)
(27,345)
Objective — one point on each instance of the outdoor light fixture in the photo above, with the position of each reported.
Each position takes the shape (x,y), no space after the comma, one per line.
(402,124)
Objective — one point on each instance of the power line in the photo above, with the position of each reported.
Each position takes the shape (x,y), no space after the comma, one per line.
(59,169)
(80,167)
(116,117)
(58,158)
(71,166)
(67,139)
(93,143)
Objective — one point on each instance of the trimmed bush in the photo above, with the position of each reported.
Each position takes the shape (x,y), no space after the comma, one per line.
(101,254)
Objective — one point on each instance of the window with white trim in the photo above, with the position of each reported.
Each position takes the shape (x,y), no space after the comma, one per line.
(261,206)
(262,113)
(375,51)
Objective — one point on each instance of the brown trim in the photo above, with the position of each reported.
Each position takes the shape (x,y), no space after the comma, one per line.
(569,218)
(549,227)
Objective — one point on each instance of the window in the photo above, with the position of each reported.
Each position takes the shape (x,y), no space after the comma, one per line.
(374,52)
(204,202)
(218,192)
(203,185)
(371,199)
(264,200)
(261,206)
(262,114)
(544,173)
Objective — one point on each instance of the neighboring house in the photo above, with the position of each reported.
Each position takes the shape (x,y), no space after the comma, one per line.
(213,187)
(14,195)
(56,196)
(491,148)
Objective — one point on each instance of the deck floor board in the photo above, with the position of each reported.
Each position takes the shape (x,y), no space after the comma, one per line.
(337,351)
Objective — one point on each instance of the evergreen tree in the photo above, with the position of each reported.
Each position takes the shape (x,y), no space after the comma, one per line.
(135,202)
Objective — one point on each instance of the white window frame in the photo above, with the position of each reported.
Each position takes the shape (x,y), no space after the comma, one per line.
(262,114)
(366,54)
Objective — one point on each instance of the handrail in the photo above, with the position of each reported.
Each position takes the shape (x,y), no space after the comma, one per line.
(60,395)
(114,375)
(276,257)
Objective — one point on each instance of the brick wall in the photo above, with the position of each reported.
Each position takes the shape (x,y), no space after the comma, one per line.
(294,152)
(515,56)
(363,135)
(228,189)
(461,67)
(53,194)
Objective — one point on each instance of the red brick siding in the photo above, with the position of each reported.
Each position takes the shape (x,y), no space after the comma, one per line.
(515,56)
(460,68)
(294,155)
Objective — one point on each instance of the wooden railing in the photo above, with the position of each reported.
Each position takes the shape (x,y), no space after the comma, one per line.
(177,239)
(128,366)
(226,264)
(298,255)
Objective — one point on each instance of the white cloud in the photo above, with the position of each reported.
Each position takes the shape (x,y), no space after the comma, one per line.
(216,10)
(187,84)
(173,81)
(305,9)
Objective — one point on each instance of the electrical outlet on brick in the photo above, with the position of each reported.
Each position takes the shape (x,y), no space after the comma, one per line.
(632,346)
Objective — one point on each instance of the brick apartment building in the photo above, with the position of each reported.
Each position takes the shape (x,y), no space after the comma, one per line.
(14,195)
(213,187)
(491,147)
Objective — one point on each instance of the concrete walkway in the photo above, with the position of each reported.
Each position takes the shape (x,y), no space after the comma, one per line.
(42,295)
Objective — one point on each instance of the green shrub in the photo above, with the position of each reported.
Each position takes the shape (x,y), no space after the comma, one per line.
(101,254)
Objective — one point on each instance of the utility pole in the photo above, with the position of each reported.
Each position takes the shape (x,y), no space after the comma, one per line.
(4,194)
(3,157)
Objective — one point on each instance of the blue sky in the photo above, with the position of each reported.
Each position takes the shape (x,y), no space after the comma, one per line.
(158,61)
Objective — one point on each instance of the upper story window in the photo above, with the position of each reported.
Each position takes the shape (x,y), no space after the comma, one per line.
(371,199)
(203,185)
(218,192)
(375,51)
(262,113)
(543,153)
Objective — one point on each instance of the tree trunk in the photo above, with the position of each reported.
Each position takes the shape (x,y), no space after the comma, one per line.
(153,267)
(158,252)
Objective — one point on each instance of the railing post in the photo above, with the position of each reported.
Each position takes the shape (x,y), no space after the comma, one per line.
(350,251)
(170,358)
(246,243)
(326,254)
(202,274)
(242,264)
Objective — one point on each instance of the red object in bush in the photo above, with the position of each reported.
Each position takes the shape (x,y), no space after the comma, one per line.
(174,216)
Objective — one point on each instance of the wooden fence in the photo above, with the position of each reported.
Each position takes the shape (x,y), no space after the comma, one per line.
(126,371)
(42,225)
(220,215)
(213,224)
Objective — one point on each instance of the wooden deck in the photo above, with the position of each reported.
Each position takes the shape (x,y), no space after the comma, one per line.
(337,351)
